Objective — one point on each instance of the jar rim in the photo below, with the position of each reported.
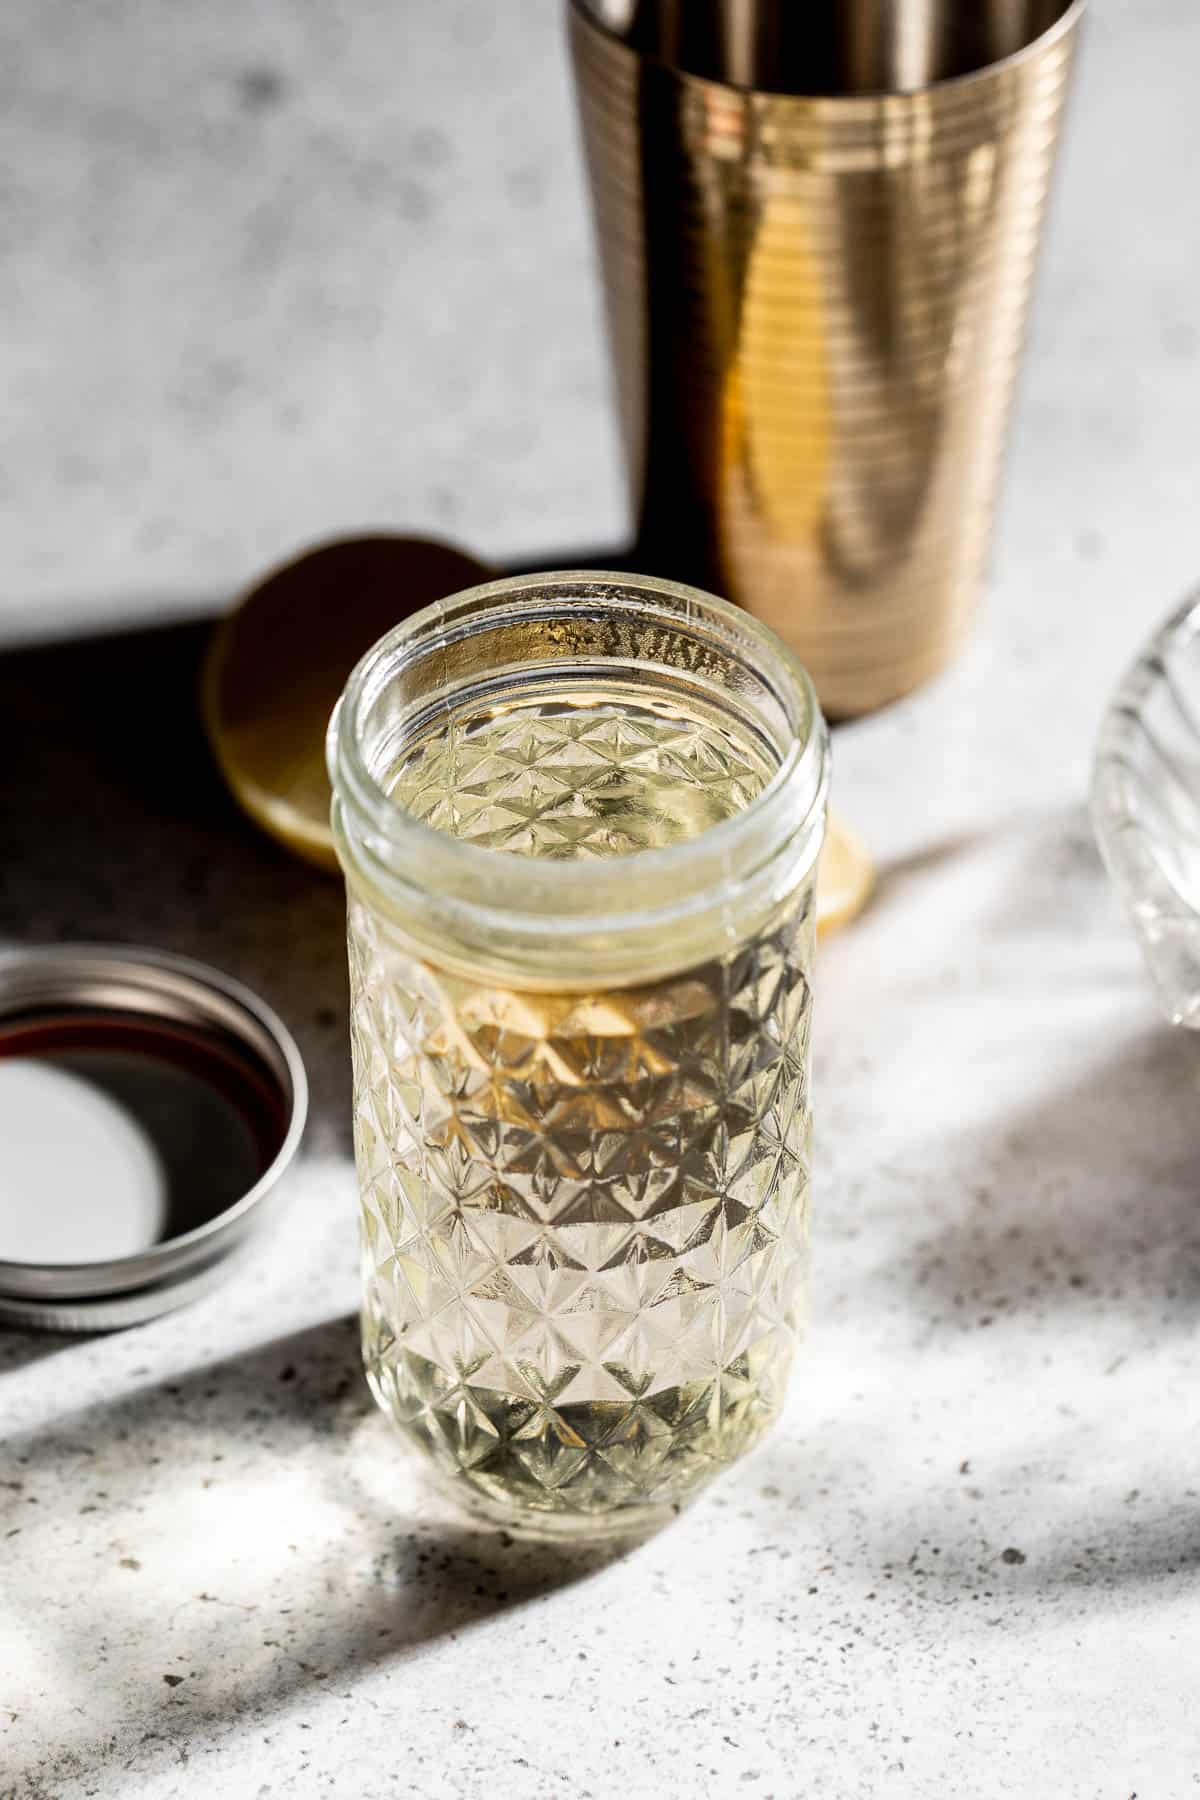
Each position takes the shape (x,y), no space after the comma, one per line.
(566,897)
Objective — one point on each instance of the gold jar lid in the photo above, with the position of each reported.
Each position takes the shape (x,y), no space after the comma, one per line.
(845,876)
(282,657)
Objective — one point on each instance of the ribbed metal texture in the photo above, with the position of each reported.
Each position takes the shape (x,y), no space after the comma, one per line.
(816,311)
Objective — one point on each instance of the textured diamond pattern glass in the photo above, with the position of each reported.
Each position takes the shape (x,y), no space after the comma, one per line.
(539,777)
(583,1216)
(579,817)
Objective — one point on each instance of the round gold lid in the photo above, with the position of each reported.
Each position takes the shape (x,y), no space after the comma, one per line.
(280,660)
(845,877)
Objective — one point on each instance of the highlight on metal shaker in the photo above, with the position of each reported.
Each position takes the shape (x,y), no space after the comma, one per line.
(819,229)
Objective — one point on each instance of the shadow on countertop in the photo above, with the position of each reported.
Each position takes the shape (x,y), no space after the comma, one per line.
(117,828)
(1081,1194)
(1063,1163)
(1036,1232)
(267,1592)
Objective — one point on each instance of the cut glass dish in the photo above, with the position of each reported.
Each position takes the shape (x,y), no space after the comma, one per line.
(1146,806)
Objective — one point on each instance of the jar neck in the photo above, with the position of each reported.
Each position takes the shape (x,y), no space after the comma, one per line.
(618,920)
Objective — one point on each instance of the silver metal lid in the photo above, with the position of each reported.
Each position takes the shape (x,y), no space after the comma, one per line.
(148,1107)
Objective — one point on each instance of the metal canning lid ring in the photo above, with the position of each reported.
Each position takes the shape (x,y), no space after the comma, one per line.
(148,1107)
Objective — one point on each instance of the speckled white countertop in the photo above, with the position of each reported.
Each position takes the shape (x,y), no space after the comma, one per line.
(351,268)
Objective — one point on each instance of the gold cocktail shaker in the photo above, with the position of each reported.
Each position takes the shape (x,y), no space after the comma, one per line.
(818,228)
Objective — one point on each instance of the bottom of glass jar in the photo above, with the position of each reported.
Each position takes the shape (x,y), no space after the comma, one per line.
(584,1499)
(624,1525)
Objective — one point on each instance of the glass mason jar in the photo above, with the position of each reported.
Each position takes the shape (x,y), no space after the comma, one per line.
(579,817)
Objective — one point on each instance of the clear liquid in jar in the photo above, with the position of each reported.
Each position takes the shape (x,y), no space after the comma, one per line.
(584,1214)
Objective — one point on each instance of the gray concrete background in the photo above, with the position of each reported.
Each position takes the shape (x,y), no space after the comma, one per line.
(275,271)
(278,271)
